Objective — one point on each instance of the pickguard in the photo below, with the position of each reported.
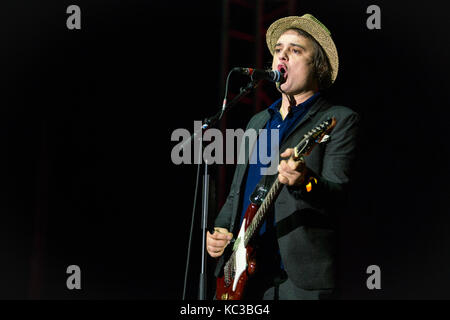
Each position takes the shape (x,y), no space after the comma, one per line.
(240,255)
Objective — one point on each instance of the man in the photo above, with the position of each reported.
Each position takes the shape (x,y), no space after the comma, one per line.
(296,246)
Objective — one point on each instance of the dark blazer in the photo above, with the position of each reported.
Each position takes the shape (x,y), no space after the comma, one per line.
(305,221)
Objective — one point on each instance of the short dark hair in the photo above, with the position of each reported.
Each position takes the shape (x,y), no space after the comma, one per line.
(322,67)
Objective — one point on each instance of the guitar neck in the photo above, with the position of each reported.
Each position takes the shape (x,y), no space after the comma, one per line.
(262,211)
(256,222)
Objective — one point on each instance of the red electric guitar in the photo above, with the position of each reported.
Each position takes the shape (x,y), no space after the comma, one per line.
(242,261)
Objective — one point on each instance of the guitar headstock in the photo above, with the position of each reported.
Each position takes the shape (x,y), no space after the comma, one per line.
(315,136)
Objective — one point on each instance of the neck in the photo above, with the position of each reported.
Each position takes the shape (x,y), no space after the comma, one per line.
(289,101)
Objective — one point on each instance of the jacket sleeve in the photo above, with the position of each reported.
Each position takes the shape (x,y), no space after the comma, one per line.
(223,219)
(329,187)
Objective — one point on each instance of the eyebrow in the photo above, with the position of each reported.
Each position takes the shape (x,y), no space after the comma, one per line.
(292,44)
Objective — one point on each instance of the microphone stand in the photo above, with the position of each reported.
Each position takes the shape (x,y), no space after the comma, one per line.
(209,122)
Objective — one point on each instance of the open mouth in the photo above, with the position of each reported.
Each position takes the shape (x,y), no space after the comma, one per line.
(282,68)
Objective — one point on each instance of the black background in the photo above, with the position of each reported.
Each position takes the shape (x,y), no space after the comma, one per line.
(86,176)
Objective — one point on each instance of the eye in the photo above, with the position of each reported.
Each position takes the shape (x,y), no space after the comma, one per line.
(277,50)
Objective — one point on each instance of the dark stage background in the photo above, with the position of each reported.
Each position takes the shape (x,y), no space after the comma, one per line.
(86,176)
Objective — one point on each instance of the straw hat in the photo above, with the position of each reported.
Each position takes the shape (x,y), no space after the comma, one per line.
(312,26)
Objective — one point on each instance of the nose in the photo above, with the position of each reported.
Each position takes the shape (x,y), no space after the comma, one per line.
(282,55)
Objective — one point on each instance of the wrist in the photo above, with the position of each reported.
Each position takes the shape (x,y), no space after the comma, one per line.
(306,184)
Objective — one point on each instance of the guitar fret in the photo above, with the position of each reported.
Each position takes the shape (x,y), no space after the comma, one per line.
(260,214)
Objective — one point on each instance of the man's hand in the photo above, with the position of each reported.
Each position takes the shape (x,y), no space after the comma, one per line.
(291,172)
(218,241)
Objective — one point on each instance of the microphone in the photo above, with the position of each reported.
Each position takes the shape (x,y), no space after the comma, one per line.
(258,74)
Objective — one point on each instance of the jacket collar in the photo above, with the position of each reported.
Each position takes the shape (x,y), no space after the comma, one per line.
(318,104)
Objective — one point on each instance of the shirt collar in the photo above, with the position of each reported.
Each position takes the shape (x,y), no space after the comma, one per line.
(275,107)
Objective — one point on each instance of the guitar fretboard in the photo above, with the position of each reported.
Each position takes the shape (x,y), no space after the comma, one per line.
(262,211)
(254,225)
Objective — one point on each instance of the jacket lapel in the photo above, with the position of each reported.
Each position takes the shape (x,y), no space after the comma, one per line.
(258,124)
(311,113)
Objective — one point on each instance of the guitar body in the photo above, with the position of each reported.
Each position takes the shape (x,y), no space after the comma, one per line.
(233,286)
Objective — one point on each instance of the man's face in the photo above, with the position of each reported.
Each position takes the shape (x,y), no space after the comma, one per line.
(294,53)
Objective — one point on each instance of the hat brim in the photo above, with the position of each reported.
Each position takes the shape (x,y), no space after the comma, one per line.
(318,32)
